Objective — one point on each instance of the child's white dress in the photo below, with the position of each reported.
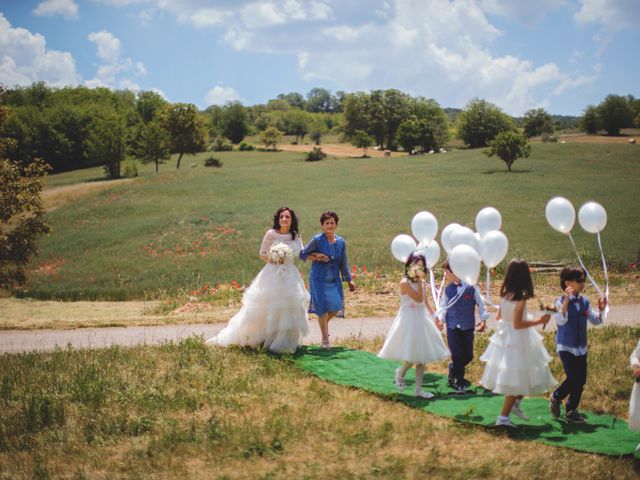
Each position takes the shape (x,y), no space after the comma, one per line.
(413,336)
(516,361)
(634,402)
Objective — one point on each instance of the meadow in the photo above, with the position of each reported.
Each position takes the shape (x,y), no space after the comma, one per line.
(188,410)
(180,230)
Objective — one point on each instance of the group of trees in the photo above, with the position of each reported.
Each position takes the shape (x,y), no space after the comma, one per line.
(614,113)
(22,213)
(78,127)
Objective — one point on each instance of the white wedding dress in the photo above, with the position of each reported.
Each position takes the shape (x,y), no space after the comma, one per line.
(273,313)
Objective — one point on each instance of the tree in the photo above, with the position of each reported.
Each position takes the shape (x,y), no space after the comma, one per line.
(106,144)
(22,214)
(321,100)
(590,120)
(481,121)
(295,99)
(296,122)
(270,137)
(234,122)
(363,140)
(536,122)
(153,145)
(509,146)
(186,129)
(615,114)
(148,103)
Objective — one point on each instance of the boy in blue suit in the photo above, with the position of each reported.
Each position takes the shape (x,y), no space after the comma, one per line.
(571,342)
(460,318)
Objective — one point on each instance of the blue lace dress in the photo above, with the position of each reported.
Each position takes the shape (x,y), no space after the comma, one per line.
(325,280)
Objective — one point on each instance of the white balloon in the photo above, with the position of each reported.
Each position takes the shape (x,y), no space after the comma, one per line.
(488,219)
(431,252)
(560,214)
(493,248)
(465,263)
(402,246)
(478,238)
(444,236)
(424,226)
(592,217)
(463,236)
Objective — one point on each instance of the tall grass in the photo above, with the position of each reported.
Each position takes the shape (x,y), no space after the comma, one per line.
(189,410)
(184,228)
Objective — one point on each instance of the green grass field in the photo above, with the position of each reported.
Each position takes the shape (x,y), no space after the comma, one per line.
(185,228)
(191,411)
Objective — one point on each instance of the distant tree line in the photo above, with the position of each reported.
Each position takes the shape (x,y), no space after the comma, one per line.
(77,127)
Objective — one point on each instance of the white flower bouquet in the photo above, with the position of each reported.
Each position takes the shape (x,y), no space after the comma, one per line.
(416,272)
(279,253)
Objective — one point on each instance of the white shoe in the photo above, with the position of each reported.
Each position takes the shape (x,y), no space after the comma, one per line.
(504,422)
(399,381)
(423,394)
(519,413)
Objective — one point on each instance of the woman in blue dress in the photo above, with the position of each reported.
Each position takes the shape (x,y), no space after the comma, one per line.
(328,253)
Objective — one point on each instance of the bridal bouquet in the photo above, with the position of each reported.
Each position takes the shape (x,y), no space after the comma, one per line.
(415,272)
(279,253)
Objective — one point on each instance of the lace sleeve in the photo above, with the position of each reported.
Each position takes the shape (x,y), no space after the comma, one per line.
(296,245)
(266,243)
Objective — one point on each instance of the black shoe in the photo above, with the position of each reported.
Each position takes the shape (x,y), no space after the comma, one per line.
(464,383)
(574,416)
(450,379)
(554,407)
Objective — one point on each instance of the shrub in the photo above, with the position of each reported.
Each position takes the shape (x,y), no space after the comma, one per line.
(549,138)
(244,147)
(315,155)
(213,162)
(221,145)
(130,169)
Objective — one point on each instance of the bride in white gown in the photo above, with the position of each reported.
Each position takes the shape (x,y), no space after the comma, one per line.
(273,313)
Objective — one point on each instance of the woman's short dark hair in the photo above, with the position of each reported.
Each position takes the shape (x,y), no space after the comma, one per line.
(517,284)
(414,257)
(572,273)
(294,221)
(328,214)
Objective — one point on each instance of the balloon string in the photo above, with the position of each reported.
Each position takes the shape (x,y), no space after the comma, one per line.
(434,293)
(585,268)
(444,277)
(487,300)
(606,276)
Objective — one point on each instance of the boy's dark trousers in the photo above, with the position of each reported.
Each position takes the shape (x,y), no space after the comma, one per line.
(575,367)
(461,347)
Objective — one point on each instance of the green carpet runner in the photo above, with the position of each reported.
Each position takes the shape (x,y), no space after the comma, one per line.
(604,434)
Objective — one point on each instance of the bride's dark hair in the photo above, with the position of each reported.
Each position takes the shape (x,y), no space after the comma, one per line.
(294,221)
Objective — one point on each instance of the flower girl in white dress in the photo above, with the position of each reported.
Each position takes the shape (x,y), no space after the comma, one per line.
(517,363)
(273,313)
(413,337)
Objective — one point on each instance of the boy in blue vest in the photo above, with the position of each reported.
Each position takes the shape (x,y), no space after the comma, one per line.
(458,310)
(571,342)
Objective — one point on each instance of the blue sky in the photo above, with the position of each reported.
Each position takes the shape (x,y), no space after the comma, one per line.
(555,54)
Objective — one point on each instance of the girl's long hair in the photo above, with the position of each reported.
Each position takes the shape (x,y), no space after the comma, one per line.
(294,222)
(517,284)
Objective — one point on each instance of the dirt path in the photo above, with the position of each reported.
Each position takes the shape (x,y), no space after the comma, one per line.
(13,341)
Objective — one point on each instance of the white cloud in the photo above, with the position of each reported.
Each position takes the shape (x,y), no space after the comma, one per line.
(208,17)
(50,8)
(115,71)
(108,45)
(24,59)
(614,15)
(527,12)
(219,95)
